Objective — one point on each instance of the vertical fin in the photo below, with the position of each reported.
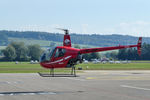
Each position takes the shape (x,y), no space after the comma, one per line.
(139,46)
(67,40)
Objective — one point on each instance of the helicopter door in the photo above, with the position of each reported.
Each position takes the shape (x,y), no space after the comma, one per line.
(58,57)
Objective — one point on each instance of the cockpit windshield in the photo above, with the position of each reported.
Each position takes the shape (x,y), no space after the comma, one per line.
(47,55)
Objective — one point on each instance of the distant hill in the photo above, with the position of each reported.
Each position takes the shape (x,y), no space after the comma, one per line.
(94,40)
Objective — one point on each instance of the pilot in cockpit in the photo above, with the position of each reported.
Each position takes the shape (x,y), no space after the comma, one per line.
(60,52)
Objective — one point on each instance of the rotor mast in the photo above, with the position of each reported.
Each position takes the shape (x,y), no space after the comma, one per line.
(67,40)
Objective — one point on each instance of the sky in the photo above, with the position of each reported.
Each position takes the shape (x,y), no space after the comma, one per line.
(125,17)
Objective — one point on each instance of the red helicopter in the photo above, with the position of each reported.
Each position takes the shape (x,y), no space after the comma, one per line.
(66,57)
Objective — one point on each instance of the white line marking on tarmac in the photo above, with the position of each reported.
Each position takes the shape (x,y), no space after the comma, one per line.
(138,88)
(74,79)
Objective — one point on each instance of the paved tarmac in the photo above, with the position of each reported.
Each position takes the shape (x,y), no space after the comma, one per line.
(90,85)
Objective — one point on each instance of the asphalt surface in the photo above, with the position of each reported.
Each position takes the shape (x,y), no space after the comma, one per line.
(90,85)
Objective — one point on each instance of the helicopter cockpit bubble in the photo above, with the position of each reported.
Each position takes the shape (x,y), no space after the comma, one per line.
(47,55)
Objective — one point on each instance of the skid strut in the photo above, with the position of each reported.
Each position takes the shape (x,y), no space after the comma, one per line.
(73,72)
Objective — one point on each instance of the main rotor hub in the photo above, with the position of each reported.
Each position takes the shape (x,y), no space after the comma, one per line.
(65,30)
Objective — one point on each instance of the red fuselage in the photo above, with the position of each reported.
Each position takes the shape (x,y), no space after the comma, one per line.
(61,61)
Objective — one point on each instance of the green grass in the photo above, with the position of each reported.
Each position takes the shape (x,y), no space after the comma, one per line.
(26,67)
(129,66)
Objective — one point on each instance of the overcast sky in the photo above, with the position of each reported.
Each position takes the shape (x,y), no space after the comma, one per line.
(126,17)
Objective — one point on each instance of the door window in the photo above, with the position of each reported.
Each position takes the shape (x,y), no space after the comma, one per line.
(60,52)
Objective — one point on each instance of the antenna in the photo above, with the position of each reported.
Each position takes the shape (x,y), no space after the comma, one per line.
(65,30)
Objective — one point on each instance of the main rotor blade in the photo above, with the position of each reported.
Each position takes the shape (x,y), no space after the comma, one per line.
(65,30)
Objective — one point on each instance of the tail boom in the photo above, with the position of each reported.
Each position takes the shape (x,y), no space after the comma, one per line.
(91,50)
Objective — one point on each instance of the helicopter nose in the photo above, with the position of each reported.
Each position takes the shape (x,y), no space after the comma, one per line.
(44,65)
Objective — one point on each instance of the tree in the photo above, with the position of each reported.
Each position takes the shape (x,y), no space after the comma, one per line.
(86,56)
(9,53)
(21,51)
(95,55)
(122,55)
(111,55)
(91,56)
(145,51)
(34,51)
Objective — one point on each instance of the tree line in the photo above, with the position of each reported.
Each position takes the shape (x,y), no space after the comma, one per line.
(17,51)
(131,54)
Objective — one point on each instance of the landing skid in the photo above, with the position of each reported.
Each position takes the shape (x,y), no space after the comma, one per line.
(52,74)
